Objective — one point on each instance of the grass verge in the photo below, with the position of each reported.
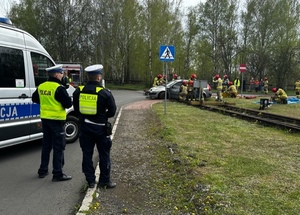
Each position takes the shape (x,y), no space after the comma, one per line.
(209,163)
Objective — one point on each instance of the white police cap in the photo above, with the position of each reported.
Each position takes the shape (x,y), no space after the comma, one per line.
(56,68)
(94,69)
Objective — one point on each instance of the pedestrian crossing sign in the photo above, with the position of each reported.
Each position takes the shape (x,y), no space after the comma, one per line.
(167,53)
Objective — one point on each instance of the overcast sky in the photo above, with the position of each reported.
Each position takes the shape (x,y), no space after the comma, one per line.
(4,5)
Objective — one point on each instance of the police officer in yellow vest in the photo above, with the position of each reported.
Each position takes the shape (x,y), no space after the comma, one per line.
(95,105)
(53,99)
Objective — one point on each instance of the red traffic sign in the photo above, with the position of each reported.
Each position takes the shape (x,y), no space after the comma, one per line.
(243,67)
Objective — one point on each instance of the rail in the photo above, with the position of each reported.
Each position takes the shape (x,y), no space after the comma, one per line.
(290,123)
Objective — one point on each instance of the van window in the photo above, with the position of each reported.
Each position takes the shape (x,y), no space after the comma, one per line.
(39,65)
(12,70)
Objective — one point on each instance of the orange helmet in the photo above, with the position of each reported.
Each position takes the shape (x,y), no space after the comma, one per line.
(230,83)
(159,76)
(184,82)
(193,76)
(191,83)
(216,77)
(175,76)
(274,90)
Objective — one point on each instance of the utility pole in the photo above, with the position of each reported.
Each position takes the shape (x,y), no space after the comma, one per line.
(102,42)
(102,47)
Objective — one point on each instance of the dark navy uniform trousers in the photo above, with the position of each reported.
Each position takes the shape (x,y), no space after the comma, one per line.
(54,138)
(91,135)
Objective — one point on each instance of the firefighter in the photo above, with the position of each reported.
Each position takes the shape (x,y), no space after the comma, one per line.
(218,81)
(266,85)
(280,96)
(232,91)
(183,91)
(297,88)
(190,87)
(193,77)
(157,80)
(225,83)
(175,77)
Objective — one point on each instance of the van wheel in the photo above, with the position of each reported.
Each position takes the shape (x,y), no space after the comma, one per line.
(71,129)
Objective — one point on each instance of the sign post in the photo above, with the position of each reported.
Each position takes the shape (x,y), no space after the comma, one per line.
(166,54)
(243,69)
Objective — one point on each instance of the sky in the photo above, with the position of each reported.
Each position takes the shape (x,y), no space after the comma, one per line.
(4,5)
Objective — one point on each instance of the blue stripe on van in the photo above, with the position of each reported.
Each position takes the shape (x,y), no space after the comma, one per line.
(18,111)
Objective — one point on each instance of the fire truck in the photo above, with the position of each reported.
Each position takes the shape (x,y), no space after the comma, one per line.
(74,73)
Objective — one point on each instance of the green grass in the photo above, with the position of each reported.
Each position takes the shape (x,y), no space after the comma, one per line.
(224,165)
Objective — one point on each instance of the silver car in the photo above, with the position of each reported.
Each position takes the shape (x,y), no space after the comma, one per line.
(173,89)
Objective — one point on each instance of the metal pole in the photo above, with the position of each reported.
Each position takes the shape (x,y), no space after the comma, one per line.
(102,47)
(165,102)
(102,43)
(242,84)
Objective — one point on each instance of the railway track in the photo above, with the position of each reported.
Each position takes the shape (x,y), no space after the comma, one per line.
(290,123)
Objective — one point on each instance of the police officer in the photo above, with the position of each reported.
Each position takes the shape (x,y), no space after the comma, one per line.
(53,99)
(95,105)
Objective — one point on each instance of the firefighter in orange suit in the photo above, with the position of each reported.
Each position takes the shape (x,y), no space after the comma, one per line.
(280,96)
(232,90)
(219,82)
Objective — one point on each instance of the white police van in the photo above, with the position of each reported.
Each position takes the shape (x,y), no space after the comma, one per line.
(22,68)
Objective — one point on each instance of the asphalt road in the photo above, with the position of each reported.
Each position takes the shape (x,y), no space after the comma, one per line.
(23,193)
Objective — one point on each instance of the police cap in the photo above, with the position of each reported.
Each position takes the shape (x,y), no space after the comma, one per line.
(56,68)
(94,69)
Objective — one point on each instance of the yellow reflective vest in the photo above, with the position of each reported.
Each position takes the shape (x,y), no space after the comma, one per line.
(50,108)
(88,101)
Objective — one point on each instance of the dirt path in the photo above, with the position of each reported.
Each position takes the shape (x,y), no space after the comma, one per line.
(131,169)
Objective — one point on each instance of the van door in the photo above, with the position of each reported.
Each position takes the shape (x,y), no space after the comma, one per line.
(15,101)
(37,75)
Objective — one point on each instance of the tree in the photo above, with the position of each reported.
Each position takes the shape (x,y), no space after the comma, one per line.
(218,21)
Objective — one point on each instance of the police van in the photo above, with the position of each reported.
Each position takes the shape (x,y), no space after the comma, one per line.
(22,68)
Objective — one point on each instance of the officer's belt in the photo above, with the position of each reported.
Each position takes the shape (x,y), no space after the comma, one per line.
(95,123)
